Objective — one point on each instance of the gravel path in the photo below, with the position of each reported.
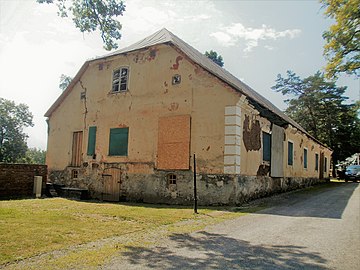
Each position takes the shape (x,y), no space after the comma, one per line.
(304,230)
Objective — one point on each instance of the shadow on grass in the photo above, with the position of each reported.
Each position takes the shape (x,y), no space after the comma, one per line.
(205,250)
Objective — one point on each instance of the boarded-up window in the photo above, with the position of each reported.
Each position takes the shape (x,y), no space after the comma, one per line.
(305,158)
(290,153)
(266,146)
(91,141)
(118,142)
(174,143)
(76,149)
(277,151)
(316,162)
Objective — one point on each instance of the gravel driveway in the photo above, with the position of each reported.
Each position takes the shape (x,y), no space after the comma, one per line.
(303,230)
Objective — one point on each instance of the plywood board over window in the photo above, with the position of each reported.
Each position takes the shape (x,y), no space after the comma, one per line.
(174,143)
(277,153)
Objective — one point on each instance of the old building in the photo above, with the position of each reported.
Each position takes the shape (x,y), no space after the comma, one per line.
(129,123)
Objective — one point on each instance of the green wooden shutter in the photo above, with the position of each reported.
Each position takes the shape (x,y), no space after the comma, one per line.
(325,165)
(290,153)
(118,143)
(305,158)
(91,141)
(266,146)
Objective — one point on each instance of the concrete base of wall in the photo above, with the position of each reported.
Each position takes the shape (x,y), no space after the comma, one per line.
(212,189)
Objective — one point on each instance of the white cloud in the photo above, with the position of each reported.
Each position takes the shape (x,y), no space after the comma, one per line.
(198,18)
(232,34)
(224,38)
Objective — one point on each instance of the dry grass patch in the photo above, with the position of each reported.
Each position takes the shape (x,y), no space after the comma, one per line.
(31,227)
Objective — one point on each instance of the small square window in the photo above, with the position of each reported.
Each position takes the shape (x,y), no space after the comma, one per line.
(120,80)
(74,174)
(171,179)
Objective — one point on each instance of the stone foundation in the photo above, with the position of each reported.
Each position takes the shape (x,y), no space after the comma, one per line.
(176,187)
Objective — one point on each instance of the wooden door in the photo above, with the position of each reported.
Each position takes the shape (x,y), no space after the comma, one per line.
(76,152)
(111,178)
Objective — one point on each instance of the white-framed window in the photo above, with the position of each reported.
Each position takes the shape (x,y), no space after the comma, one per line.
(120,79)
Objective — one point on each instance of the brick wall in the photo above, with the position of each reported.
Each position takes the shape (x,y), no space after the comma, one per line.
(17,180)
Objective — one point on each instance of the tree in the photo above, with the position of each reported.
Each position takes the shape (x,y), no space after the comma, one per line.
(13,119)
(342,48)
(65,80)
(215,57)
(89,15)
(35,156)
(318,106)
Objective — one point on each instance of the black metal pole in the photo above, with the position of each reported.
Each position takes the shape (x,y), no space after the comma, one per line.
(195,193)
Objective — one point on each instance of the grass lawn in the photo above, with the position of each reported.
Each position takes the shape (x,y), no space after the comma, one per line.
(34,226)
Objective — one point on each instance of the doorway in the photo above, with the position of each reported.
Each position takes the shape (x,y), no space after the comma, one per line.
(111,181)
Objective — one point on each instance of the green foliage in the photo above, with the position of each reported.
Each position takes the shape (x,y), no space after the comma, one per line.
(35,156)
(215,57)
(13,119)
(90,15)
(342,48)
(65,80)
(318,106)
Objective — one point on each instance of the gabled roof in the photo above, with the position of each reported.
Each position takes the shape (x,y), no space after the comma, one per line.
(163,36)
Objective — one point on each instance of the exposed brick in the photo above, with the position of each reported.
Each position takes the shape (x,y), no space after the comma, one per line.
(17,180)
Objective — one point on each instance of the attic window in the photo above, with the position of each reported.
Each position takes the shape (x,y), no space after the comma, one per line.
(120,80)
(176,79)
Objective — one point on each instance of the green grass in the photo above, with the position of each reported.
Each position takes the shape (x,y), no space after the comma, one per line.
(31,227)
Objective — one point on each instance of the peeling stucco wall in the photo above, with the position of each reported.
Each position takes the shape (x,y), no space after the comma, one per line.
(225,131)
(251,134)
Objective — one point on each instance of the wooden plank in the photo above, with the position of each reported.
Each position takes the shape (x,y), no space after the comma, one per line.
(277,152)
(76,149)
(111,187)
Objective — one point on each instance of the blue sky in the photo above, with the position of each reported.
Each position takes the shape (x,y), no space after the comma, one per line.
(257,39)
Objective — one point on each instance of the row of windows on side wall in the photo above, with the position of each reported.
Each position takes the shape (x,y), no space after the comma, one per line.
(305,156)
(267,153)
